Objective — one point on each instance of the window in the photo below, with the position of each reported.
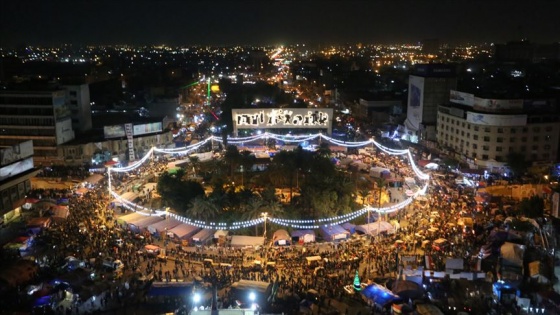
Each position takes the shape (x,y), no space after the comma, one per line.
(523,148)
(510,149)
(469,126)
(463,124)
(498,149)
(486,139)
(512,130)
(474,146)
(536,129)
(548,128)
(475,137)
(73,93)
(468,144)
(534,147)
(536,138)
(74,103)
(474,155)
(512,139)
(500,130)
(546,147)
(499,158)
(462,133)
(486,129)
(485,148)
(485,156)
(475,128)
(500,139)
(523,139)
(524,130)
(468,135)
(545,156)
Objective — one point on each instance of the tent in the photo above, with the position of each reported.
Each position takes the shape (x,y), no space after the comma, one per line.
(333,233)
(349,227)
(512,254)
(407,290)
(281,237)
(184,231)
(379,172)
(179,289)
(146,221)
(379,295)
(162,226)
(303,236)
(428,309)
(60,212)
(376,228)
(220,233)
(243,240)
(131,218)
(203,237)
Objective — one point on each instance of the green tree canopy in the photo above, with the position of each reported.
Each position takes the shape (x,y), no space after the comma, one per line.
(178,192)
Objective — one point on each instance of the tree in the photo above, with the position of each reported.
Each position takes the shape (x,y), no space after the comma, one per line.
(232,158)
(517,163)
(202,208)
(178,192)
(253,210)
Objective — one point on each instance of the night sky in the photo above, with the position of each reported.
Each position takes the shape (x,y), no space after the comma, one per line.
(188,22)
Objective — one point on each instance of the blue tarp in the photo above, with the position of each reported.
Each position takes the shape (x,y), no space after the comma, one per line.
(170,289)
(379,295)
(334,232)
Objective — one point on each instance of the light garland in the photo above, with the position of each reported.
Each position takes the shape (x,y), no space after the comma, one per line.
(299,224)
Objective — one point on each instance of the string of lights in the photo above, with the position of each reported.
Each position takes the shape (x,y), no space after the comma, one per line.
(299,224)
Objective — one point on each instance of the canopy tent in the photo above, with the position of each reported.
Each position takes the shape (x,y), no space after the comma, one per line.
(184,231)
(243,240)
(349,227)
(162,226)
(220,233)
(281,237)
(131,218)
(512,254)
(379,295)
(303,236)
(146,221)
(203,236)
(376,228)
(250,285)
(407,290)
(60,212)
(333,233)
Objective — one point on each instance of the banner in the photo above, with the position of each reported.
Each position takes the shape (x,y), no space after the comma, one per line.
(130,140)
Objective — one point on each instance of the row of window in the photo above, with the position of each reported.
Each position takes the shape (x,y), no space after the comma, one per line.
(499,139)
(27,111)
(534,147)
(462,123)
(24,121)
(31,132)
(500,158)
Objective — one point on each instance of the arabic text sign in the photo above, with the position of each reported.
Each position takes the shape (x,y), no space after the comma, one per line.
(282,118)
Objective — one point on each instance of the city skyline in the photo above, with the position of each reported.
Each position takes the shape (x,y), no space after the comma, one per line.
(281,22)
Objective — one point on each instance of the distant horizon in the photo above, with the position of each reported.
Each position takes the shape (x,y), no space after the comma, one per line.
(243,22)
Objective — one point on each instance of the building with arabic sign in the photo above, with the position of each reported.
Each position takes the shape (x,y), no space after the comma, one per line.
(482,132)
(282,118)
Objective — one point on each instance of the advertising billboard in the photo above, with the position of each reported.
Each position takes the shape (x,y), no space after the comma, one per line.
(147,128)
(496,120)
(415,101)
(462,98)
(493,105)
(64,131)
(61,109)
(118,131)
(17,152)
(16,168)
(282,118)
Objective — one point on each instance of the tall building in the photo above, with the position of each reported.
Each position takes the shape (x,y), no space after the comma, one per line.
(482,132)
(428,87)
(41,116)
(16,171)
(77,99)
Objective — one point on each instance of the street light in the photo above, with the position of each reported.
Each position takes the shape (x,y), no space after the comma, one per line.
(264,215)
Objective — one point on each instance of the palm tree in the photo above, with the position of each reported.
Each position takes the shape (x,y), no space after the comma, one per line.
(253,210)
(363,193)
(195,161)
(201,208)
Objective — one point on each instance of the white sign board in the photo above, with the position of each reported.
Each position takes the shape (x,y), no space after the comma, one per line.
(282,118)
(17,152)
(462,98)
(496,120)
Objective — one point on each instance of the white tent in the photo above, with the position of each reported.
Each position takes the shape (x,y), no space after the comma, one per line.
(281,237)
(132,217)
(162,226)
(242,241)
(305,236)
(146,221)
(184,231)
(94,179)
(203,236)
(220,233)
(376,228)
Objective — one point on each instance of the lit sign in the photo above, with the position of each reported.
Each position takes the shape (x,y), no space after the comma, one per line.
(282,118)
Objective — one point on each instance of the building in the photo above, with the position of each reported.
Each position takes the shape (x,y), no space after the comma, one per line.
(377,109)
(482,132)
(16,171)
(428,87)
(77,99)
(41,116)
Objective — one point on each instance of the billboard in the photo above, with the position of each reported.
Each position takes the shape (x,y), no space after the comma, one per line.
(16,168)
(462,98)
(493,105)
(64,131)
(147,128)
(282,118)
(17,152)
(415,101)
(61,109)
(496,120)
(118,131)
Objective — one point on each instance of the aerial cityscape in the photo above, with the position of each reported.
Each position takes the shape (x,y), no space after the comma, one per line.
(289,157)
